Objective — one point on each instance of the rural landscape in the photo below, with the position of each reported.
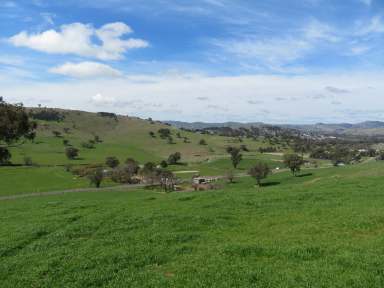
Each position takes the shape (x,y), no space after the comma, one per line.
(227,144)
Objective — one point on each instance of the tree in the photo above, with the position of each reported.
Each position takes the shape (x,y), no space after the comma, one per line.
(149,172)
(132,166)
(56,133)
(5,156)
(163,164)
(293,162)
(164,133)
(96,176)
(202,142)
(259,171)
(174,158)
(167,180)
(88,145)
(230,176)
(123,174)
(71,152)
(112,162)
(97,139)
(236,156)
(244,148)
(170,140)
(14,125)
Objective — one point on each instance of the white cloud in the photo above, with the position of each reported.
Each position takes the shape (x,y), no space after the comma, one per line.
(275,53)
(100,99)
(77,38)
(375,25)
(86,70)
(317,30)
(178,95)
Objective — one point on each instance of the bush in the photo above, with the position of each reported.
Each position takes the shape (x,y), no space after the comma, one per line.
(202,142)
(56,133)
(132,165)
(28,161)
(83,171)
(124,174)
(112,162)
(96,176)
(66,142)
(174,158)
(71,153)
(88,145)
(5,156)
(163,164)
(164,133)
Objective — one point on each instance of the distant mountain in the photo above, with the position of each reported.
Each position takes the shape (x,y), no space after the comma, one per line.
(367,128)
(204,125)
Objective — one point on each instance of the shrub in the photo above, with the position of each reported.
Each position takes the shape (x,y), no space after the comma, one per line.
(230,176)
(56,133)
(5,156)
(28,161)
(163,164)
(132,165)
(97,139)
(202,142)
(66,142)
(96,176)
(124,174)
(88,145)
(71,152)
(174,158)
(164,133)
(112,162)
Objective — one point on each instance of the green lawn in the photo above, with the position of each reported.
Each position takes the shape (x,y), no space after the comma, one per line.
(324,229)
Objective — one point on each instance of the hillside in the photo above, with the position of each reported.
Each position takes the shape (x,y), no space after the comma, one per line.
(367,128)
(323,229)
(122,137)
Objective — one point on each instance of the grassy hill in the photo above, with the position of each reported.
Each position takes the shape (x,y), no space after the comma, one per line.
(122,137)
(323,229)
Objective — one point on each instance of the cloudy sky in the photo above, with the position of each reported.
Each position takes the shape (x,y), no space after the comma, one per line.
(276,61)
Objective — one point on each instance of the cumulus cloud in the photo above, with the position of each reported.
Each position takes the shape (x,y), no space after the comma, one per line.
(78,39)
(100,99)
(86,70)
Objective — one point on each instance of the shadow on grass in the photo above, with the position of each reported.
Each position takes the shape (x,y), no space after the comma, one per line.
(305,175)
(275,183)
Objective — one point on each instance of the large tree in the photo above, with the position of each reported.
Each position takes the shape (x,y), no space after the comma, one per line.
(293,162)
(15,125)
(236,156)
(259,171)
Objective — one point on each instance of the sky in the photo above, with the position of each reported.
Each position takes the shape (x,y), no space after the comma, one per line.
(274,61)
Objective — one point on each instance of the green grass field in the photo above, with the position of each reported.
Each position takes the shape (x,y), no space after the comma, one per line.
(323,229)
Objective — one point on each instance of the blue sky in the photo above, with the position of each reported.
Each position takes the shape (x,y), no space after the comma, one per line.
(204,60)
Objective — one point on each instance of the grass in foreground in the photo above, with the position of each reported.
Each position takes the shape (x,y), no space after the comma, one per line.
(320,230)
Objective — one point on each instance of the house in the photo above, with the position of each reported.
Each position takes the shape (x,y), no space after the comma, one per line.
(204,180)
